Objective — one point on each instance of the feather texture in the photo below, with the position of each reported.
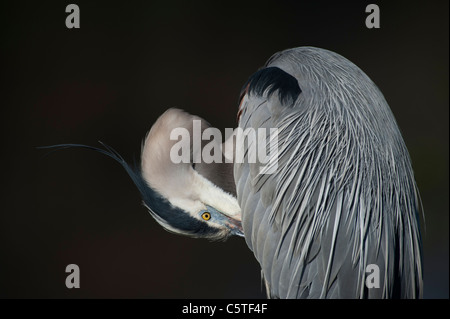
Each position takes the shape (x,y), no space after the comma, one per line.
(344,194)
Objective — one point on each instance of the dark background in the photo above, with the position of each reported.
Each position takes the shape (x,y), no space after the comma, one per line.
(128,63)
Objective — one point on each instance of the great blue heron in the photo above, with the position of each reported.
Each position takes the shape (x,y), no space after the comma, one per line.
(343,196)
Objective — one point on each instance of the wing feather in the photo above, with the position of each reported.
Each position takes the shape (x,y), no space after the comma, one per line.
(343,195)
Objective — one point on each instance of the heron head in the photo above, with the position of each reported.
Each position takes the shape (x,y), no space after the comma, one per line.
(197,200)
(193,199)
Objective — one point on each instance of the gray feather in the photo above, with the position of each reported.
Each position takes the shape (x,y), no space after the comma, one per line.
(344,194)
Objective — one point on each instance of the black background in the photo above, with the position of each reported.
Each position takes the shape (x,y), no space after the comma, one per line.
(130,61)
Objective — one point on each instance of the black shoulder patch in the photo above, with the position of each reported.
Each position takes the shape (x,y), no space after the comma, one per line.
(274,79)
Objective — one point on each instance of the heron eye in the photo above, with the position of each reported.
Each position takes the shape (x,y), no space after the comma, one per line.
(206,216)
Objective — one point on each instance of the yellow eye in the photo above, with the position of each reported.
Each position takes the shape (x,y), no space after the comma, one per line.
(206,216)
